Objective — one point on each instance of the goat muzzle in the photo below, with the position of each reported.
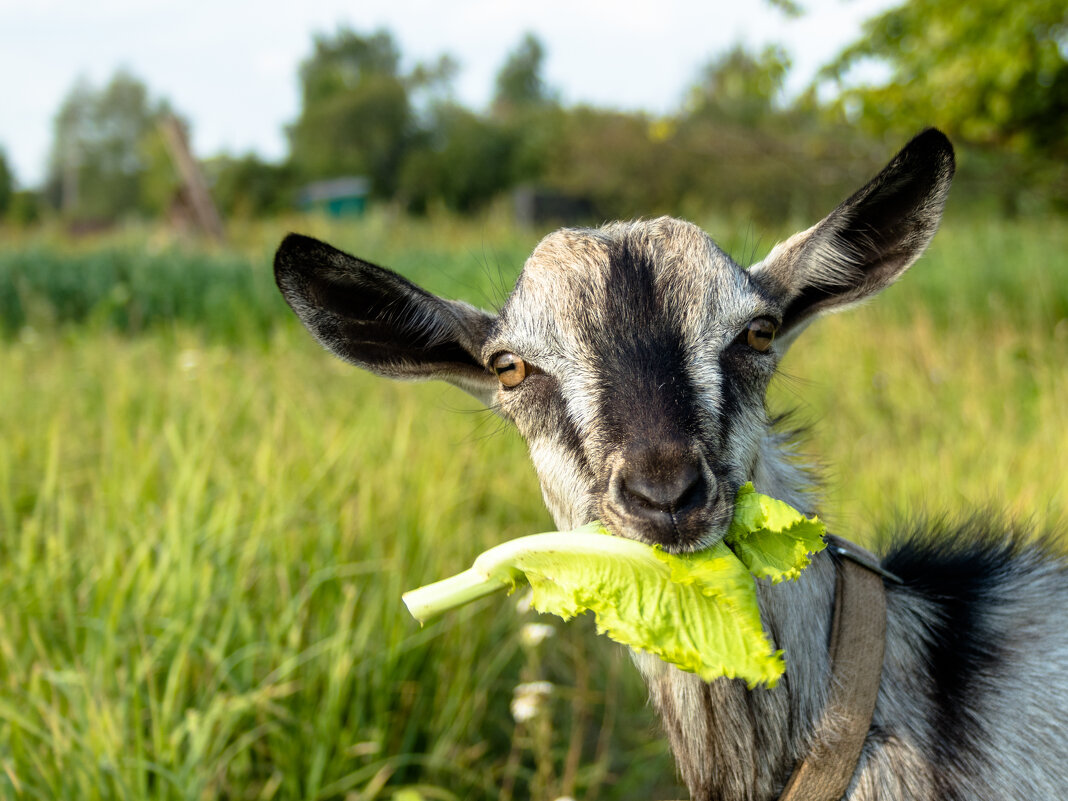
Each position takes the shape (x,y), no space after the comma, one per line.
(662,494)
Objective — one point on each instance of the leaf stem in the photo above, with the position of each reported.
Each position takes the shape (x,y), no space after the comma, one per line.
(433,599)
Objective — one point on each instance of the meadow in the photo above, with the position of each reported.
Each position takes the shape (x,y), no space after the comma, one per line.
(206,522)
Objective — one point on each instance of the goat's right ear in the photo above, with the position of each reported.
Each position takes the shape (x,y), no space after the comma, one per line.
(379,321)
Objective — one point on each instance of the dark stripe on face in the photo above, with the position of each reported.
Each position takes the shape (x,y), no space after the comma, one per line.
(730,405)
(645,388)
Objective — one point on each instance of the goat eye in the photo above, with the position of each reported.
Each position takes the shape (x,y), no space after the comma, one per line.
(510,369)
(760,333)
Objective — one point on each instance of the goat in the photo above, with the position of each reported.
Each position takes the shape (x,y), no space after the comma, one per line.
(634,359)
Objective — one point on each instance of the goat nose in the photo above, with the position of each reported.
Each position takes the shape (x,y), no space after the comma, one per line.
(661,490)
(654,493)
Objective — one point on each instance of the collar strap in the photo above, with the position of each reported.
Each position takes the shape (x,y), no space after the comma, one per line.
(858,639)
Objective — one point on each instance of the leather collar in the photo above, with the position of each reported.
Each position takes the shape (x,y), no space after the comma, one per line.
(858,640)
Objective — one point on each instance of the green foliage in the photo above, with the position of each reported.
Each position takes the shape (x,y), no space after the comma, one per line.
(7,184)
(740,87)
(789,8)
(992,74)
(25,208)
(97,162)
(463,159)
(989,72)
(632,165)
(466,161)
(129,290)
(342,61)
(761,174)
(356,116)
(359,117)
(617,160)
(249,187)
(159,181)
(519,83)
(432,83)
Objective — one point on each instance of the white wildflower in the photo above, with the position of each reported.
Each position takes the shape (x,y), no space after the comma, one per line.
(523,602)
(532,635)
(528,699)
(188,360)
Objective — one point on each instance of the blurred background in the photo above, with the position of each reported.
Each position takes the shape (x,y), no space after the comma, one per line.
(206,522)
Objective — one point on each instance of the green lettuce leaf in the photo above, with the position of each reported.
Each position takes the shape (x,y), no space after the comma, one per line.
(772,538)
(697,610)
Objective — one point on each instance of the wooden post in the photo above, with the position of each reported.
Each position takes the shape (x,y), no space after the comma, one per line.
(207,216)
(69,185)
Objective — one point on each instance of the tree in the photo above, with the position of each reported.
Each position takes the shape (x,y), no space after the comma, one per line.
(519,82)
(432,85)
(617,162)
(7,184)
(249,187)
(356,116)
(159,182)
(740,87)
(96,164)
(466,161)
(989,72)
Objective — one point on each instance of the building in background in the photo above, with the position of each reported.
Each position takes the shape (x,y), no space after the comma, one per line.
(337,197)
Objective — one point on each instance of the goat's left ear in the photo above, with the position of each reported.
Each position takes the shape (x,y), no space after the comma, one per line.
(866,243)
(380,321)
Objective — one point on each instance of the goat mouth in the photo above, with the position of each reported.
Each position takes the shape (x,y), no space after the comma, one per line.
(675,530)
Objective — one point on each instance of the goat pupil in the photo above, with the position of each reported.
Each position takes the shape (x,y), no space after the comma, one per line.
(510,369)
(760,334)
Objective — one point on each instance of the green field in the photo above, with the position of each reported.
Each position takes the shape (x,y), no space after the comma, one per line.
(206,522)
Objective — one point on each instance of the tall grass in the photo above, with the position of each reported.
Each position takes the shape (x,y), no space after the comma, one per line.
(203,558)
(977,271)
(134,282)
(206,523)
(919,418)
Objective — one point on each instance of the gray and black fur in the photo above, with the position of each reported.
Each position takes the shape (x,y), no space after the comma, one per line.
(643,405)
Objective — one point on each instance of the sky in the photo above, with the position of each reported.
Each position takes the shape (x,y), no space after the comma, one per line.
(231,68)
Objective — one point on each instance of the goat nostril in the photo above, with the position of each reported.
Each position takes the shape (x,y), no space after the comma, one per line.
(693,496)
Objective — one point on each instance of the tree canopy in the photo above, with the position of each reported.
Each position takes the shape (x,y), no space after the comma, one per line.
(520,84)
(356,115)
(990,72)
(98,157)
(740,86)
(7,184)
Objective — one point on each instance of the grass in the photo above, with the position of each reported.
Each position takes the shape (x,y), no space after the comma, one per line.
(207,522)
(916,418)
(204,552)
(134,283)
(977,271)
